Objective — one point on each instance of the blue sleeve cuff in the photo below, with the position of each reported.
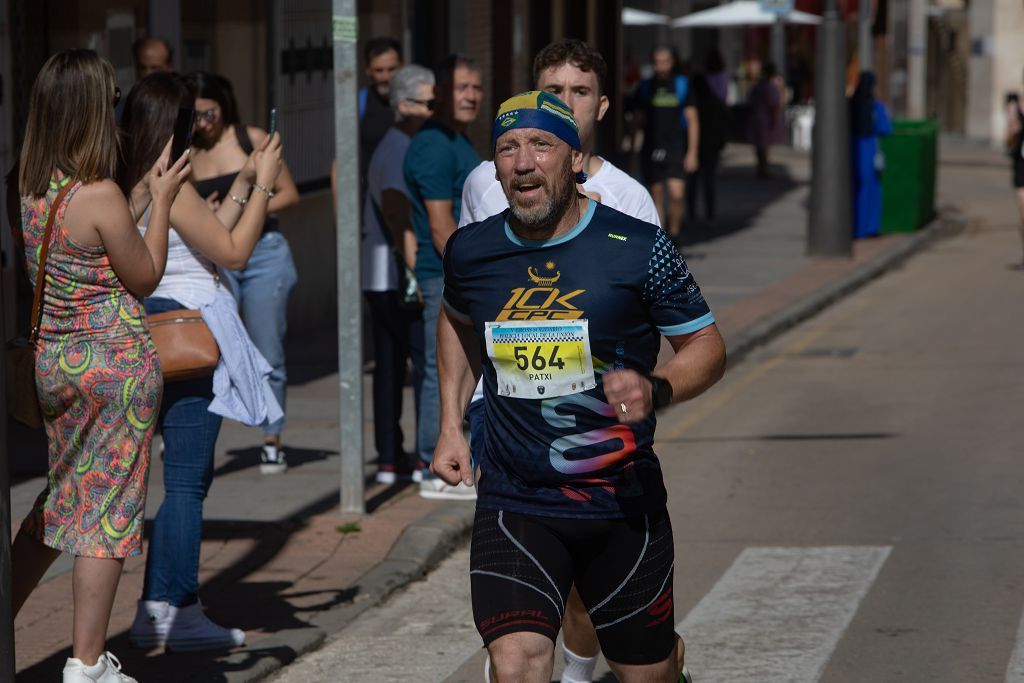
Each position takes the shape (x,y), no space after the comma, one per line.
(686,328)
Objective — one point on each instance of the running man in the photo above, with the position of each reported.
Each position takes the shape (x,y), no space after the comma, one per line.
(565,300)
(575,72)
(671,135)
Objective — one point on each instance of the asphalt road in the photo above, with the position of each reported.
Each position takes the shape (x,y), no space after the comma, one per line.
(848,503)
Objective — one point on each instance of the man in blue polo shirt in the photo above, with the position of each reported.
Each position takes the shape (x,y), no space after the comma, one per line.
(436,165)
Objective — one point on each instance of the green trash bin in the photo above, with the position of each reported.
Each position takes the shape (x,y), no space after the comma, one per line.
(908,181)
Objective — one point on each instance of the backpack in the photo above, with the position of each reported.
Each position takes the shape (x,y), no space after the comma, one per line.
(682,88)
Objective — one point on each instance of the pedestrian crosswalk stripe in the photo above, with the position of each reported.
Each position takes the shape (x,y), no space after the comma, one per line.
(1015,669)
(778,613)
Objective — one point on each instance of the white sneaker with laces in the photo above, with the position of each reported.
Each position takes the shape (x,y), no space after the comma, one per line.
(192,631)
(107,669)
(272,460)
(152,622)
(436,489)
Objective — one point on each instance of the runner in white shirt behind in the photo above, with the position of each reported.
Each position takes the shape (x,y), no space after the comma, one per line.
(575,72)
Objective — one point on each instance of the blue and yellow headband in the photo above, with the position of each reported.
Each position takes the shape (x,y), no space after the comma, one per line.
(536,109)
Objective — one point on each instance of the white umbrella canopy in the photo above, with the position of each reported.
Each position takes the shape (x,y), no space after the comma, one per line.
(741,13)
(639,17)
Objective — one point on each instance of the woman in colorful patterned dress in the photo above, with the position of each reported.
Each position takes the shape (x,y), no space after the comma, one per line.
(97,372)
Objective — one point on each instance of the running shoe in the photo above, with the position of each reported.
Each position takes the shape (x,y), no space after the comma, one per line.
(272,460)
(434,488)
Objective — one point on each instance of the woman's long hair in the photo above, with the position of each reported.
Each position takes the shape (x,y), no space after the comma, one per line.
(148,122)
(70,123)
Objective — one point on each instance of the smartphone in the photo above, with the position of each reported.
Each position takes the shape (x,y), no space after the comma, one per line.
(273,122)
(183,127)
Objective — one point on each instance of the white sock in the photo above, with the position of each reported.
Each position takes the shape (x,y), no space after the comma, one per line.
(577,669)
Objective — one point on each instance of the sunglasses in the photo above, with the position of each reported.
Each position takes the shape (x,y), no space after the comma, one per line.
(429,104)
(117,95)
(210,115)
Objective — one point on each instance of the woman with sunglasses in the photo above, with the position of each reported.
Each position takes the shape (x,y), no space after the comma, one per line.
(169,613)
(97,373)
(220,148)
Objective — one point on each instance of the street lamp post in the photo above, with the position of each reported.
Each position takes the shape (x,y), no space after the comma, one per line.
(350,329)
(830,219)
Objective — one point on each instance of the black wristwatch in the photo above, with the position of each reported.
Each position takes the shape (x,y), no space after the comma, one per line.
(661,391)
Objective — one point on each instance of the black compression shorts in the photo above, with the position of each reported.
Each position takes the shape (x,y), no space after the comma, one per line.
(521,568)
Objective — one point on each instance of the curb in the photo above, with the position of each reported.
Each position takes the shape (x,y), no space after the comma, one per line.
(767,328)
(424,544)
(419,549)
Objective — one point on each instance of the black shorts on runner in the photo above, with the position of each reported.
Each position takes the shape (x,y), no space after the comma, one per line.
(660,164)
(1018,172)
(522,566)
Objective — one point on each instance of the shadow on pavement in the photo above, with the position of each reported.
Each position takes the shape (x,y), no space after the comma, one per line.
(742,197)
(246,458)
(783,437)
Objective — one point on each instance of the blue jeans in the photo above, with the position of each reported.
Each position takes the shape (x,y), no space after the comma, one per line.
(190,434)
(424,361)
(262,290)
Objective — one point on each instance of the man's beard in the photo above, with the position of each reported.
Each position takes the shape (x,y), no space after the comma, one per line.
(547,213)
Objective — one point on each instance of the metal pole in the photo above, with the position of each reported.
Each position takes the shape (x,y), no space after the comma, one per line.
(916,67)
(350,324)
(829,228)
(865,46)
(779,45)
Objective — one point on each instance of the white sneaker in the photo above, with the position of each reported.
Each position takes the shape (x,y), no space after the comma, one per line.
(107,669)
(272,460)
(152,622)
(180,628)
(384,477)
(417,475)
(192,631)
(436,489)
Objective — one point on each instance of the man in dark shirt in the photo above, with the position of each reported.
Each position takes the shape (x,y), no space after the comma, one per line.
(671,136)
(437,162)
(562,303)
(383,57)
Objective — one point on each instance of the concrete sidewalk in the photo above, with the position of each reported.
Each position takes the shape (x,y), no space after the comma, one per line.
(280,562)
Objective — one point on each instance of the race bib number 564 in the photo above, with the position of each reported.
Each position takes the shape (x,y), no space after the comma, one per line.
(541,359)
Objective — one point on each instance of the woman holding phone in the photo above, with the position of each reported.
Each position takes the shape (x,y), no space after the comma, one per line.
(220,148)
(169,613)
(97,372)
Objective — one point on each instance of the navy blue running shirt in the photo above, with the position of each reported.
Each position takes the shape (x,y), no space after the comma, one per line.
(600,297)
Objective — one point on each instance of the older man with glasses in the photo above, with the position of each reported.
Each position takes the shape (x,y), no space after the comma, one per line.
(389,250)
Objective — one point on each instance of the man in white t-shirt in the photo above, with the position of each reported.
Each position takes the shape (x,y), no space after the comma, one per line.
(387,200)
(575,72)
